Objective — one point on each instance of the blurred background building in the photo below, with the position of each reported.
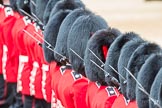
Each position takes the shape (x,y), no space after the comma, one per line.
(141,16)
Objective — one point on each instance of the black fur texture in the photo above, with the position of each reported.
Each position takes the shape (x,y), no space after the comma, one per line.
(61,43)
(78,37)
(48,9)
(155,90)
(66,4)
(124,57)
(160,95)
(13,5)
(146,77)
(40,7)
(114,53)
(100,38)
(135,63)
(24,5)
(51,31)
(32,7)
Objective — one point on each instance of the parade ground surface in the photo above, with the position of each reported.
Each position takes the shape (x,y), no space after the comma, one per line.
(144,18)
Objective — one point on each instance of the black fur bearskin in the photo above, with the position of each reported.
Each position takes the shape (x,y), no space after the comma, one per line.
(155,91)
(48,9)
(137,59)
(66,4)
(24,5)
(78,37)
(100,38)
(114,53)
(61,43)
(40,8)
(50,33)
(124,57)
(146,77)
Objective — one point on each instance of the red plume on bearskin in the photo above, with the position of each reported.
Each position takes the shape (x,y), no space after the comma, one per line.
(99,44)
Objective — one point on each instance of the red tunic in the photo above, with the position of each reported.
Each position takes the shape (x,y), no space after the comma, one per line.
(35,76)
(18,35)
(72,89)
(55,103)
(12,55)
(120,101)
(79,88)
(91,91)
(45,69)
(28,66)
(55,74)
(3,14)
(132,104)
(105,97)
(2,17)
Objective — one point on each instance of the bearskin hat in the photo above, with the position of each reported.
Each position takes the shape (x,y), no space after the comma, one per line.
(48,9)
(155,90)
(98,44)
(13,4)
(66,4)
(24,5)
(114,52)
(50,33)
(146,77)
(137,59)
(40,7)
(61,43)
(78,37)
(124,57)
(32,7)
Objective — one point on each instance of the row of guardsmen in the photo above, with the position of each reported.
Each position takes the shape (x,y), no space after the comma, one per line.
(59,54)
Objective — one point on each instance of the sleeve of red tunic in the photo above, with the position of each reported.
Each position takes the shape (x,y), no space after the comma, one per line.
(80,88)
(72,89)
(105,97)
(30,44)
(12,55)
(120,101)
(2,13)
(65,93)
(37,76)
(55,74)
(27,66)
(1,40)
(91,91)
(132,104)
(22,58)
(17,33)
(45,67)
(1,54)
